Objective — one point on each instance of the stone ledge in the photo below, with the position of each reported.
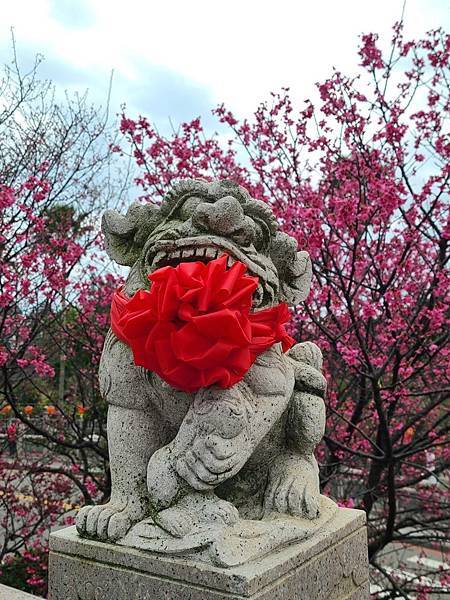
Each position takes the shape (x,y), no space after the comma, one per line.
(9,593)
(332,566)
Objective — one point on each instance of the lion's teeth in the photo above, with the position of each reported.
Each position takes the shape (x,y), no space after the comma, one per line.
(230,261)
(200,252)
(159,257)
(176,254)
(188,252)
(210,252)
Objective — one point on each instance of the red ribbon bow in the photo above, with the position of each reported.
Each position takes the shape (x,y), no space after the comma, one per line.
(194,327)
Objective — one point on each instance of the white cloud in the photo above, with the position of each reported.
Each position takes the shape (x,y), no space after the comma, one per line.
(238,51)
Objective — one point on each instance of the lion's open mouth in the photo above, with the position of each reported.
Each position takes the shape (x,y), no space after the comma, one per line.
(202,254)
(172,252)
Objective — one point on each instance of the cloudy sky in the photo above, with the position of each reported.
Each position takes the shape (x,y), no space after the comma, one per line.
(178,59)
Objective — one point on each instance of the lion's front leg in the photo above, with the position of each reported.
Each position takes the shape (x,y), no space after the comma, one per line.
(221,431)
(216,440)
(293,484)
(133,436)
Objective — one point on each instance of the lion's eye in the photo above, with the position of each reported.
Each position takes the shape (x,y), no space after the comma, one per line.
(188,207)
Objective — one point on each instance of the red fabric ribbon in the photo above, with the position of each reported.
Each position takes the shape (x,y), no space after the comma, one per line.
(194,327)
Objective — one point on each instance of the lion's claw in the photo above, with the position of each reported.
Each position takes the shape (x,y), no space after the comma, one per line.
(109,521)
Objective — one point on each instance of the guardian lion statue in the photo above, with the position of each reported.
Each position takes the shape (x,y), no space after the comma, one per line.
(191,471)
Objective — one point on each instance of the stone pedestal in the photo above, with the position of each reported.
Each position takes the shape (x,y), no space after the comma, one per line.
(331,566)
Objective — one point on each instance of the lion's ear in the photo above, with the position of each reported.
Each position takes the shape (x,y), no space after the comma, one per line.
(296,282)
(294,268)
(125,236)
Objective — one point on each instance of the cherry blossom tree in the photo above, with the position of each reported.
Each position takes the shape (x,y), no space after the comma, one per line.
(55,167)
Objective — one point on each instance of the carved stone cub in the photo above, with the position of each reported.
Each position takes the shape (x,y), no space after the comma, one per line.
(246,450)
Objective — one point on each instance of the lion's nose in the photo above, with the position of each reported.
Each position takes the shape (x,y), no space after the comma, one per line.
(224,217)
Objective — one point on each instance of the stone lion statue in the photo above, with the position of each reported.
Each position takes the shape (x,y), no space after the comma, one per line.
(188,464)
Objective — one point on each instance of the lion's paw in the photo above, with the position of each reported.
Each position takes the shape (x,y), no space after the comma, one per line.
(221,511)
(293,487)
(176,521)
(109,521)
(195,510)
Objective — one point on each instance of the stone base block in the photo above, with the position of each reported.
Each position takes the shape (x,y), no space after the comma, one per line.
(331,566)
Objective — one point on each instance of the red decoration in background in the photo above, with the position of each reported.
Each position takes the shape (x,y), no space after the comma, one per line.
(194,327)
